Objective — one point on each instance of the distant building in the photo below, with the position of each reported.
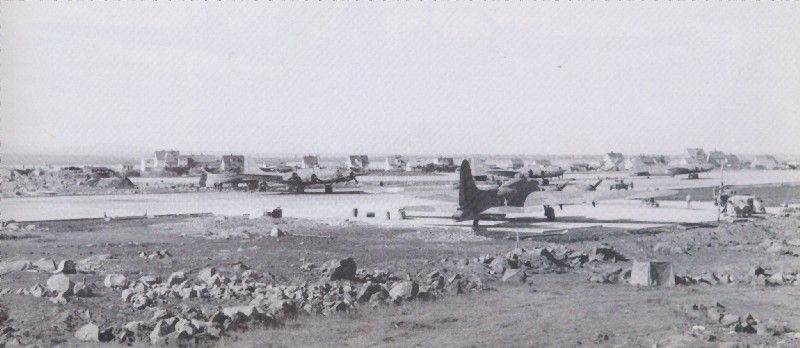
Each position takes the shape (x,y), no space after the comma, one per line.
(359,161)
(477,162)
(395,163)
(731,161)
(613,161)
(517,163)
(310,161)
(716,158)
(147,165)
(232,163)
(696,155)
(166,159)
(445,161)
(207,162)
(125,167)
(765,162)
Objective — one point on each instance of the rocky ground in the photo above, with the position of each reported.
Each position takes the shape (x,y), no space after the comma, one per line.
(235,281)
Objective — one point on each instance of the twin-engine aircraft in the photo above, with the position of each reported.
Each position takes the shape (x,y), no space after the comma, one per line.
(531,172)
(523,192)
(297,180)
(671,170)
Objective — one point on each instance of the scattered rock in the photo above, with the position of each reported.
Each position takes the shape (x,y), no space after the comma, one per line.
(46,265)
(91,333)
(60,284)
(344,269)
(176,278)
(404,290)
(66,267)
(207,274)
(514,275)
(37,290)
(82,290)
(276,232)
(163,328)
(115,281)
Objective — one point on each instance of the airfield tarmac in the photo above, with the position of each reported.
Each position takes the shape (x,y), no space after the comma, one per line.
(429,200)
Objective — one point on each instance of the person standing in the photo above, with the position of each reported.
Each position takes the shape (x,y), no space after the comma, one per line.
(688,201)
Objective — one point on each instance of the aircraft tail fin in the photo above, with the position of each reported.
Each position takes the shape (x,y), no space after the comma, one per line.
(467,190)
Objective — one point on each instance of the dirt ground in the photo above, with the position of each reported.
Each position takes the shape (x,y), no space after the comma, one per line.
(568,307)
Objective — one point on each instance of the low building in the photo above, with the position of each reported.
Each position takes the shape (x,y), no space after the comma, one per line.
(765,162)
(146,165)
(716,158)
(613,161)
(233,163)
(696,155)
(477,162)
(207,162)
(395,164)
(731,161)
(445,161)
(359,162)
(166,159)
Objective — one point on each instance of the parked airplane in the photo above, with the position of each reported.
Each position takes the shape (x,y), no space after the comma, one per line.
(670,170)
(296,179)
(532,172)
(521,192)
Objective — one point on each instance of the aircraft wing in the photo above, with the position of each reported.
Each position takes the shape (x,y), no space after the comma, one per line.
(503,173)
(580,197)
(268,177)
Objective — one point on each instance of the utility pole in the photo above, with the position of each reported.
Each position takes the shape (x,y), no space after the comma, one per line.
(721,187)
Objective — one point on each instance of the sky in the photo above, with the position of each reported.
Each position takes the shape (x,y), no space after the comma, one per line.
(409,77)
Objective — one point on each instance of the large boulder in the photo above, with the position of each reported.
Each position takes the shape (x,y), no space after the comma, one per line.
(207,274)
(82,290)
(91,333)
(276,232)
(176,278)
(163,328)
(498,265)
(652,273)
(344,269)
(115,281)
(366,292)
(405,290)
(60,284)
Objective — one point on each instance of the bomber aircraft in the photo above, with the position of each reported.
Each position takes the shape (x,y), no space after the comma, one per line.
(296,179)
(692,170)
(522,192)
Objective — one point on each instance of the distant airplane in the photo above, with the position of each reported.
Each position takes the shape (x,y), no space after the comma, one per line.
(531,172)
(671,170)
(521,192)
(296,179)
